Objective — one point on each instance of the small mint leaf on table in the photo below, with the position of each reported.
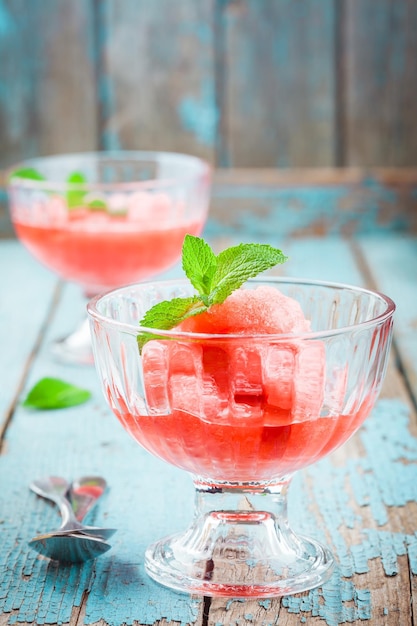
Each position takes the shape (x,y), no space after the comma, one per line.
(213,277)
(75,197)
(28,173)
(53,393)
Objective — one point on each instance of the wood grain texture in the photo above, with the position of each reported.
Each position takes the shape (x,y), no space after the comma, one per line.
(272,204)
(19,334)
(6,229)
(380,82)
(239,82)
(279,105)
(158,86)
(47,78)
(401,285)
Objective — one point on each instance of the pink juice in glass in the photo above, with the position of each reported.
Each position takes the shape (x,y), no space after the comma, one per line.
(244,452)
(101,250)
(244,409)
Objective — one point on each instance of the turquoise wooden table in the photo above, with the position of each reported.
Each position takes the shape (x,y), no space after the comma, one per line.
(362,500)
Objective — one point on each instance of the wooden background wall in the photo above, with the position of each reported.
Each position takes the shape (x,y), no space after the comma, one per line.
(244,83)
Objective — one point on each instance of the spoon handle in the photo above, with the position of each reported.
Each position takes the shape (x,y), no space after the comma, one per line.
(74,501)
(85,491)
(54,488)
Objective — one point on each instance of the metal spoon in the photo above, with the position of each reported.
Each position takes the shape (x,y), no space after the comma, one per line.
(73,541)
(83,496)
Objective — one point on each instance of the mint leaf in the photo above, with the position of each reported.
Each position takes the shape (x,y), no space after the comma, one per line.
(28,173)
(52,393)
(164,315)
(237,264)
(97,205)
(76,178)
(168,314)
(75,197)
(199,264)
(214,277)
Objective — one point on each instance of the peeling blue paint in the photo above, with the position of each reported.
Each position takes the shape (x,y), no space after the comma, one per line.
(291,211)
(7,23)
(265,603)
(392,458)
(111,139)
(199,29)
(200,115)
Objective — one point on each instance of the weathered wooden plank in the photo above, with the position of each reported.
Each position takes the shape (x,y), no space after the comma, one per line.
(259,83)
(47,82)
(393,267)
(279,85)
(272,204)
(6,229)
(157,83)
(330,258)
(27,293)
(47,78)
(380,82)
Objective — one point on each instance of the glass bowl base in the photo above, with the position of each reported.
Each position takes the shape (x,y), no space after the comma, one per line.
(75,348)
(237,565)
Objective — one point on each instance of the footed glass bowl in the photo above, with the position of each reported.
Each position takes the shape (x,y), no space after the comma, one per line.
(241,413)
(106,219)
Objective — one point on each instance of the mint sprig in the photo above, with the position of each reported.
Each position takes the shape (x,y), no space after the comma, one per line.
(97,205)
(53,393)
(75,197)
(213,277)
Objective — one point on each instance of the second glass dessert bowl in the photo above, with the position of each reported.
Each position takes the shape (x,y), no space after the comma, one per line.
(105,219)
(241,413)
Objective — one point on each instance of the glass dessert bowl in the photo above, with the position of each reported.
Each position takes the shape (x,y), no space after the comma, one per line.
(241,412)
(105,219)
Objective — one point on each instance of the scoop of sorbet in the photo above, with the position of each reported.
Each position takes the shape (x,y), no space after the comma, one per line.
(263,310)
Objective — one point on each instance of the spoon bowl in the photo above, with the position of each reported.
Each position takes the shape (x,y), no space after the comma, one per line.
(69,547)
